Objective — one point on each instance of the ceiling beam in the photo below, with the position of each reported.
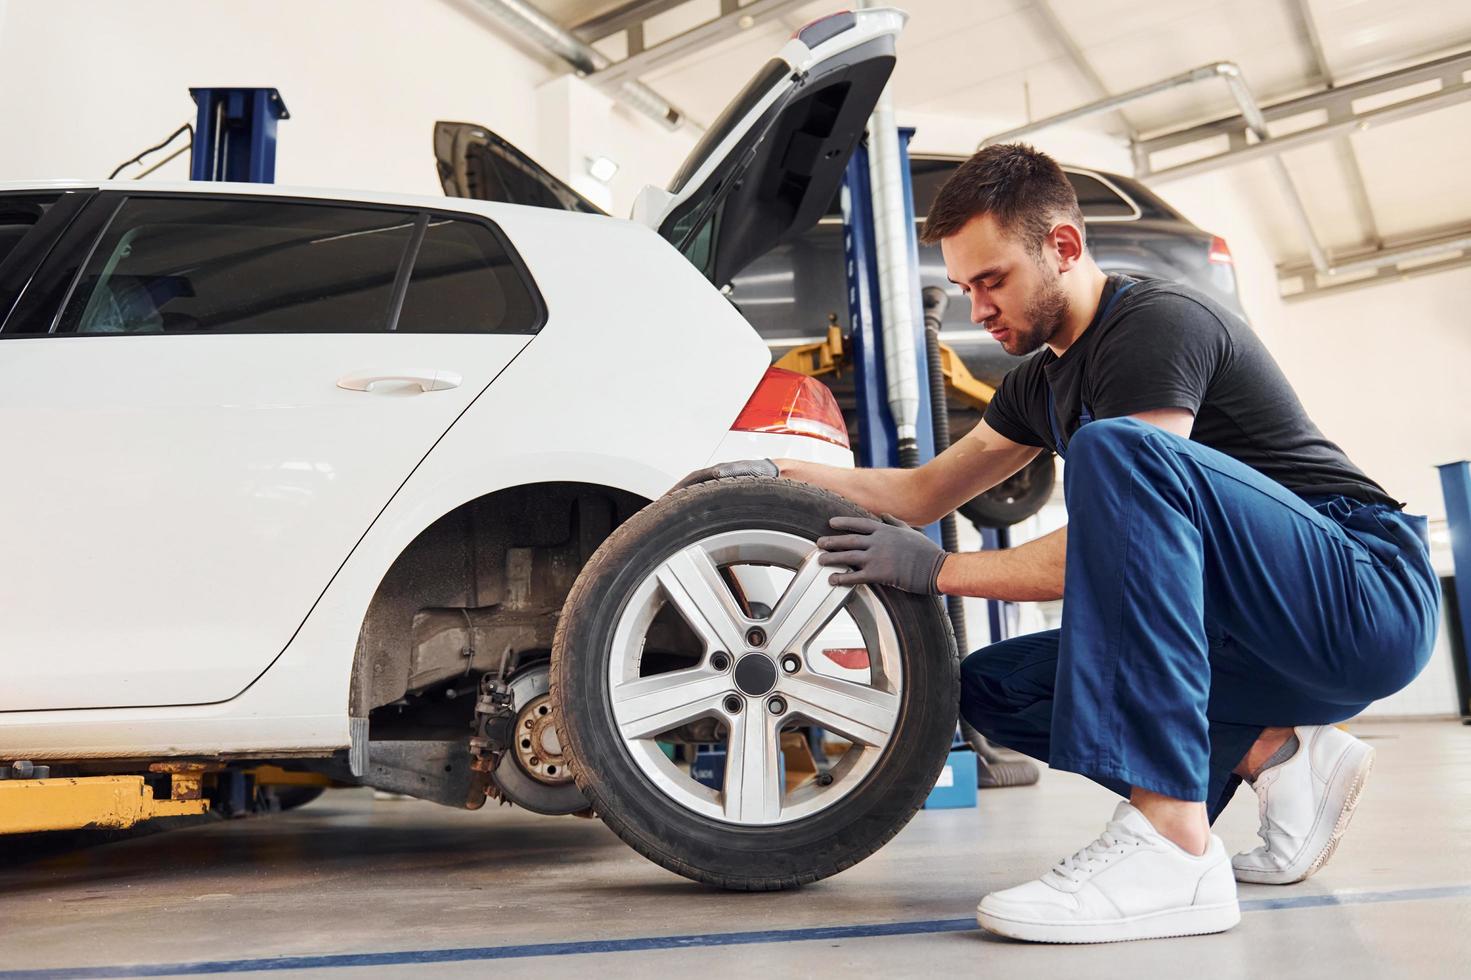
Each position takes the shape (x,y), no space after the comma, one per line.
(1053,27)
(1309,39)
(621,18)
(1435,252)
(732,20)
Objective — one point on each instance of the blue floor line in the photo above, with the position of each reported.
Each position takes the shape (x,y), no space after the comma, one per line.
(474,953)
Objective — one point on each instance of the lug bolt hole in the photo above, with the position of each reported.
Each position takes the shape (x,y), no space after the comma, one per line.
(732,704)
(720,661)
(526,743)
(543,710)
(756,636)
(551,770)
(791,663)
(777,705)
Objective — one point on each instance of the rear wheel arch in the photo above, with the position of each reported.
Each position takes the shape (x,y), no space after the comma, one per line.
(483,580)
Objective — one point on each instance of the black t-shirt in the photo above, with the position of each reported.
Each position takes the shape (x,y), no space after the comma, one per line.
(1164,345)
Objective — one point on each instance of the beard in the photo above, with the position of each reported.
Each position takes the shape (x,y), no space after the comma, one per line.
(1044,313)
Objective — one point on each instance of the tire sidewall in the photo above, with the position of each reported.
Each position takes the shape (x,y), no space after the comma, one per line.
(692,843)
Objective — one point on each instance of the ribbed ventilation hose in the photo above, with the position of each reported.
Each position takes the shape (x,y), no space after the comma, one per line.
(935,302)
(996,768)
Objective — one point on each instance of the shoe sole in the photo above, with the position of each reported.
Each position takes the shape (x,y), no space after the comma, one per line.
(1192,921)
(1292,875)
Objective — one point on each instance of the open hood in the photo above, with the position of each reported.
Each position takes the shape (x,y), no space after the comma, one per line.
(476,163)
(771,164)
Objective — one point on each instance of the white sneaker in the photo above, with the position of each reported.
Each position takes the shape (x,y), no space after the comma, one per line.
(1131,883)
(1305,805)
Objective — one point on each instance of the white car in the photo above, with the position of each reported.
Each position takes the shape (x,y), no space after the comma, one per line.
(307,478)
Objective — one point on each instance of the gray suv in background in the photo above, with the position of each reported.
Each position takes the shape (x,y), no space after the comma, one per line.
(791,292)
(788,293)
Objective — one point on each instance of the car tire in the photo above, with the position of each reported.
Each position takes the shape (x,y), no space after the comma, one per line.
(695,844)
(1014,499)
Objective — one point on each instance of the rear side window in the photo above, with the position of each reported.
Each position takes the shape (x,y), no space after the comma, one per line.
(1098,199)
(18,214)
(465,282)
(170,265)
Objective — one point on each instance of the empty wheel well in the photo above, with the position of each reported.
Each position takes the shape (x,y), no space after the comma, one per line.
(481,586)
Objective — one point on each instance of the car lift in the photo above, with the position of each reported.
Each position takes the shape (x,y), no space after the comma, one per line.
(878,442)
(234,139)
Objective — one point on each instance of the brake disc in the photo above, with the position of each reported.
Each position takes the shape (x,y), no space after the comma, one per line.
(534,774)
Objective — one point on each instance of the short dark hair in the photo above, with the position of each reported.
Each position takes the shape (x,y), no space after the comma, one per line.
(1021,187)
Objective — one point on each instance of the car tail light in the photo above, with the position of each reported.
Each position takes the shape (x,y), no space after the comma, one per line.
(849,658)
(788,403)
(1220,252)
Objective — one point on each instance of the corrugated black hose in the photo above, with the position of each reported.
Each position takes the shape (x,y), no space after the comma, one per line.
(995,768)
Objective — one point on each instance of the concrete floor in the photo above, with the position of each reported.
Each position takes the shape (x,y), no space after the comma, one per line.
(364,887)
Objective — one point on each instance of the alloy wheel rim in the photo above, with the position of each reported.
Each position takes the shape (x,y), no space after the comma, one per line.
(768,696)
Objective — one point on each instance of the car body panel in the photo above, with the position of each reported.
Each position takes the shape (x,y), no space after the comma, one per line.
(581,403)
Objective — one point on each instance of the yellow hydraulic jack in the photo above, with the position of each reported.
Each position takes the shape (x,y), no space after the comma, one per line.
(829,357)
(30,800)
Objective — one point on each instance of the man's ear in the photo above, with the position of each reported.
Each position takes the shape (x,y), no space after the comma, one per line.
(1066,241)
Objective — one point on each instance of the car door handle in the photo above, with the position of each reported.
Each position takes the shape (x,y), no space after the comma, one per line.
(428,379)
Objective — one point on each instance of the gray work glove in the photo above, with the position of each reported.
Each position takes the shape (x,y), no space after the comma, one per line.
(721,471)
(887,552)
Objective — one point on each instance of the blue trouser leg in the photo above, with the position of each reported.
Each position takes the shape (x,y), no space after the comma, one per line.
(1203,602)
(1007,691)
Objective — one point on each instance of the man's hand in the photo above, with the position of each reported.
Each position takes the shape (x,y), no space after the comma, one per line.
(720,471)
(887,552)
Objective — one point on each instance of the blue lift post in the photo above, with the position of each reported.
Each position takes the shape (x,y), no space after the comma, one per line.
(1455,484)
(235,134)
(878,443)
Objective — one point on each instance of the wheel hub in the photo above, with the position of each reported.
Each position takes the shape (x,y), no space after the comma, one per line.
(538,749)
(755,674)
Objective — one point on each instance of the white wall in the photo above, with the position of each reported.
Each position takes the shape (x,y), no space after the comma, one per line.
(86,85)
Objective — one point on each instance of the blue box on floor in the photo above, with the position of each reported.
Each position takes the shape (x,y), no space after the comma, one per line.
(956,786)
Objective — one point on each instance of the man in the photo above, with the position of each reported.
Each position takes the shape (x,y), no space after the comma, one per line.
(1234,584)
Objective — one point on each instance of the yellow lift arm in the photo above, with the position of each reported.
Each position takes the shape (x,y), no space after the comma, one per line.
(112,802)
(828,356)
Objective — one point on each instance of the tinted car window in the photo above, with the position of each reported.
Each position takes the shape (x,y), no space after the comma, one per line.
(18,214)
(1097,199)
(173,265)
(927,176)
(464,282)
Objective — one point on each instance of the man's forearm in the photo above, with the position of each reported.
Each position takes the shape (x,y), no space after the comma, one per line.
(883,491)
(1030,573)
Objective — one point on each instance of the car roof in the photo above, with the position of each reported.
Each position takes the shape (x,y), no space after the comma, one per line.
(333,194)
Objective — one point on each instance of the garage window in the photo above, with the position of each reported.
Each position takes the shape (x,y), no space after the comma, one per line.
(465,281)
(172,265)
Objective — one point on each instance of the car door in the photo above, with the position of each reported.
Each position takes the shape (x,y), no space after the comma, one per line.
(205,400)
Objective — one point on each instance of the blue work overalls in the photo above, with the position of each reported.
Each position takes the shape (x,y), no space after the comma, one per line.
(1203,602)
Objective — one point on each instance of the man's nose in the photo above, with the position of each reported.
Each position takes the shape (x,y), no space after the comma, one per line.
(981,308)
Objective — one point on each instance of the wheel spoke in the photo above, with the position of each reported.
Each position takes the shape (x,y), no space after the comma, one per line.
(857,712)
(691,581)
(650,705)
(753,768)
(808,605)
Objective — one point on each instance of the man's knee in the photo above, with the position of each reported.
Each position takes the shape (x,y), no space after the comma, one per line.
(1106,441)
(999,680)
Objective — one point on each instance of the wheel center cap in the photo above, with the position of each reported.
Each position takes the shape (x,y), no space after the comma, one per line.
(755,674)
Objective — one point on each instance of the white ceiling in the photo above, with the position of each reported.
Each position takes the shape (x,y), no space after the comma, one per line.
(998,59)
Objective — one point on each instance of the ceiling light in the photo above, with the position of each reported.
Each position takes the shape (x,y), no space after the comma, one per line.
(601,169)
